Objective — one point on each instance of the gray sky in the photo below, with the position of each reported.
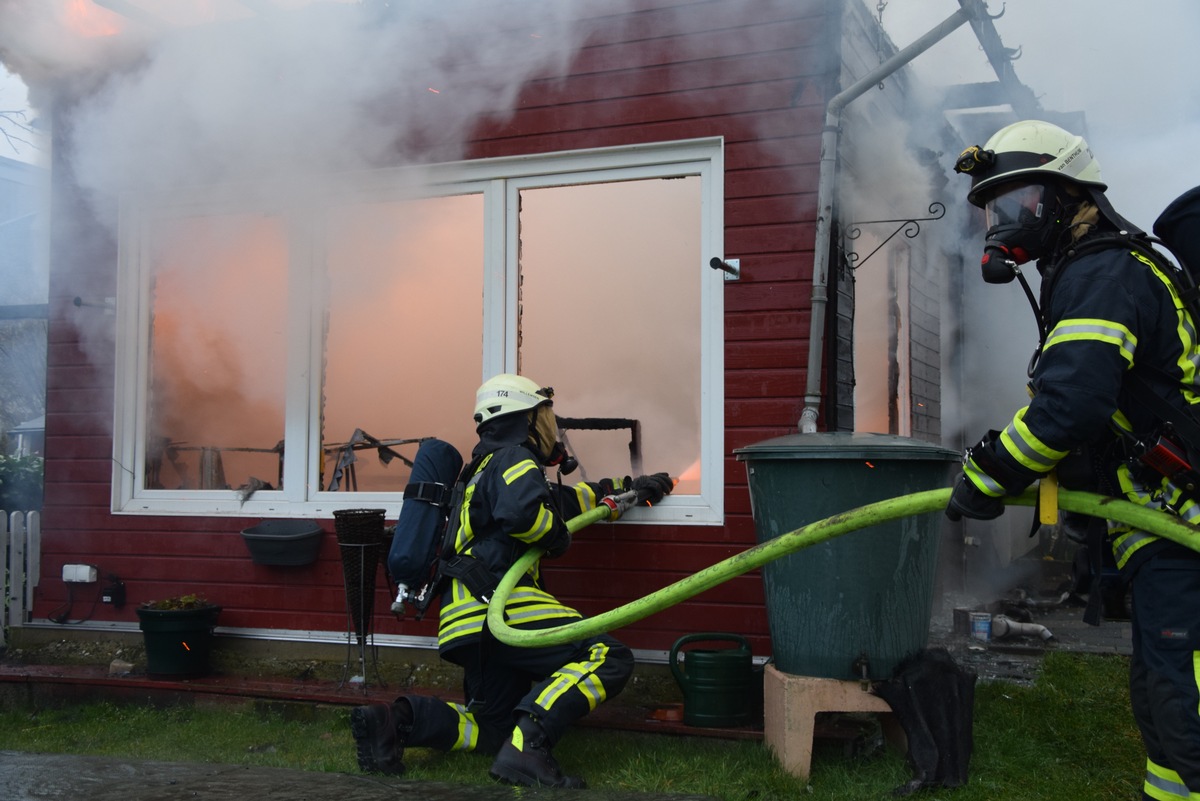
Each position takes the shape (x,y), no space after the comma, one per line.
(13,97)
(1128,66)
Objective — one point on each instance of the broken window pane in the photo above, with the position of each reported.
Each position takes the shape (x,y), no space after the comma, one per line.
(610,317)
(403,340)
(218,353)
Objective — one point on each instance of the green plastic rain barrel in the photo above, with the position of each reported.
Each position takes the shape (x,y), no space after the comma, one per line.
(857,605)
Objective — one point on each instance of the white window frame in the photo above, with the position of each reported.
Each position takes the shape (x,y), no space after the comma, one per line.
(499,180)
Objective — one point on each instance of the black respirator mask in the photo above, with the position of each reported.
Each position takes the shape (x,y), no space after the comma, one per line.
(1023,224)
(543,436)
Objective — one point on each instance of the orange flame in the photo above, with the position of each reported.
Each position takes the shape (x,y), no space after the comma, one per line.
(185,647)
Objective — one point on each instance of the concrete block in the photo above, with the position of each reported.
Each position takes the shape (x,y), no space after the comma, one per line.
(790,707)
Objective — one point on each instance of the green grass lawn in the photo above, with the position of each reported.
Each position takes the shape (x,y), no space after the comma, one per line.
(1070,735)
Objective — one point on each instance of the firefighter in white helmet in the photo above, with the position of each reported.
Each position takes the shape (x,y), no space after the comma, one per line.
(520,701)
(1117,372)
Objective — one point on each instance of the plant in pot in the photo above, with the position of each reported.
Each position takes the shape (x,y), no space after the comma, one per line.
(178,634)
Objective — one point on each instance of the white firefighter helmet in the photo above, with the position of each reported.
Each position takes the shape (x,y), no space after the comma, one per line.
(507,393)
(1029,150)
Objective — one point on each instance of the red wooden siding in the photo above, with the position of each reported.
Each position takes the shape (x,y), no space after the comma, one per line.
(755,73)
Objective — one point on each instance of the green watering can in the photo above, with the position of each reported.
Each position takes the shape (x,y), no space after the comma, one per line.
(718,684)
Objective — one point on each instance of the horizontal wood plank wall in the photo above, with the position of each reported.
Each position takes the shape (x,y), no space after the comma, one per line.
(756,73)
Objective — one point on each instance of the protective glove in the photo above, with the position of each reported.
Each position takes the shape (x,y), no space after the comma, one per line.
(615,485)
(967,500)
(653,488)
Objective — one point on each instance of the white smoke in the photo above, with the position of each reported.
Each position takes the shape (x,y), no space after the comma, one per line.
(1130,72)
(333,86)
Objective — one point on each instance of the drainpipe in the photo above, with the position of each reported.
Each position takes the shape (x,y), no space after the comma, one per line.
(968,10)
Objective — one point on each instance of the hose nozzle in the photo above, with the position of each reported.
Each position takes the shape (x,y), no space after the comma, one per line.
(619,504)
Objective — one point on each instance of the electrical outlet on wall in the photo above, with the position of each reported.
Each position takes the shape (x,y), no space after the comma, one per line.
(79,574)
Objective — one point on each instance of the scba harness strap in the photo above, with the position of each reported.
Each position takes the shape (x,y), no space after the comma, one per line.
(473,574)
(432,492)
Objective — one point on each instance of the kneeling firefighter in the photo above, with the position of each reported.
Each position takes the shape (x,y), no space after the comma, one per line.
(1115,388)
(520,701)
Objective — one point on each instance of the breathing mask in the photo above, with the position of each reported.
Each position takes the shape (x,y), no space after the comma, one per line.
(1023,223)
(543,437)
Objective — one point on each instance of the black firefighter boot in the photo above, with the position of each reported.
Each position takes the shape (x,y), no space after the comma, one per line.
(380,732)
(526,760)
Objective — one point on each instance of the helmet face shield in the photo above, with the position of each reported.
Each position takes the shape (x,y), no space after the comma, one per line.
(1020,204)
(1023,222)
(543,430)
(543,438)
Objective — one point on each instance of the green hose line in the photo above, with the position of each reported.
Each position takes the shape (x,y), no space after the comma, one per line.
(1162,524)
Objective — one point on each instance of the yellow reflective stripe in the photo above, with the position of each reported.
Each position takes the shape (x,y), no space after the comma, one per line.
(1196,673)
(1126,542)
(1023,446)
(464,611)
(586,496)
(530,595)
(1084,329)
(1185,329)
(465,533)
(464,629)
(545,518)
(519,469)
(541,525)
(1165,784)
(468,730)
(465,616)
(533,613)
(582,676)
(986,484)
(527,604)
(462,616)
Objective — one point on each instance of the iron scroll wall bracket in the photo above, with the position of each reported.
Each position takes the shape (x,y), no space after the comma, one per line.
(910,227)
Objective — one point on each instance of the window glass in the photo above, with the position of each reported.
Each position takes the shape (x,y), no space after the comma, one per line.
(218,353)
(402,350)
(610,317)
(354,322)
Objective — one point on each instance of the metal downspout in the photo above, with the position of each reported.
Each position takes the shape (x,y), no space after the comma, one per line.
(829,145)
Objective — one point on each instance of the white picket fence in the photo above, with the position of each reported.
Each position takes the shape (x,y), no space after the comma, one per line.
(20,548)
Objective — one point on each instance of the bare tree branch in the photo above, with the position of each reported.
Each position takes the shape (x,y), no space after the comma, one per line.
(12,121)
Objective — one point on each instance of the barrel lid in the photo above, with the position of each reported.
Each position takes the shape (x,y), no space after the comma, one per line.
(845,445)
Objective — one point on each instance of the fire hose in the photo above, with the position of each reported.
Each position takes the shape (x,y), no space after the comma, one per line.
(1155,522)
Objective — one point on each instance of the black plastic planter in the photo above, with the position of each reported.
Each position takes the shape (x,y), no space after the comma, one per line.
(178,641)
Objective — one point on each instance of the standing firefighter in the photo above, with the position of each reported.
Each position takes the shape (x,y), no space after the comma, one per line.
(1115,378)
(520,701)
